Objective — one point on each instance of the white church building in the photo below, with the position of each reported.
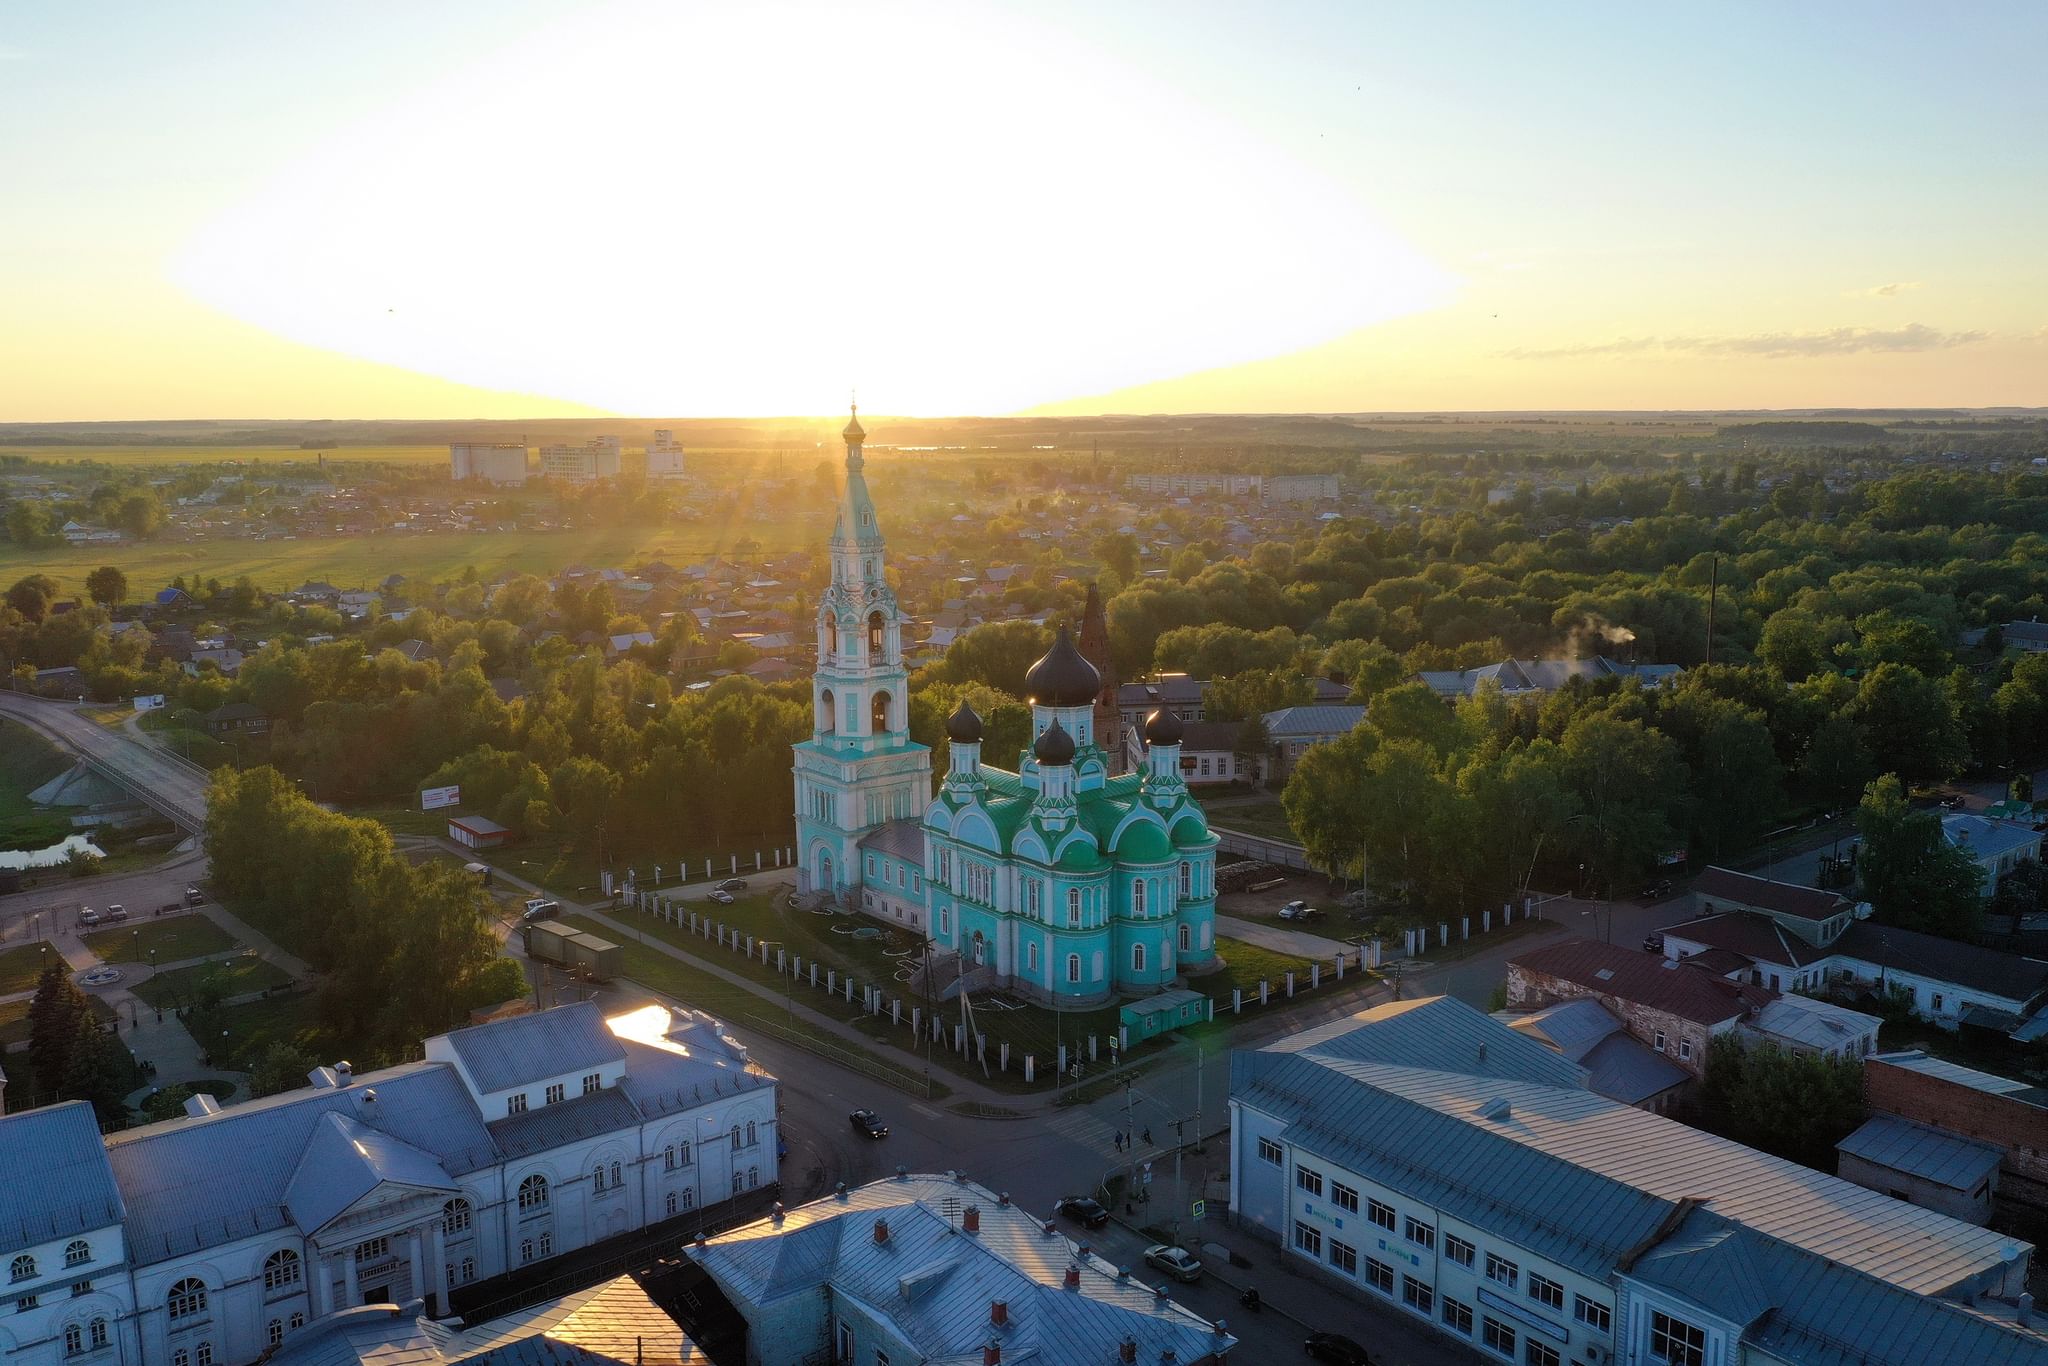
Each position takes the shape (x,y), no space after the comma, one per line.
(208,1240)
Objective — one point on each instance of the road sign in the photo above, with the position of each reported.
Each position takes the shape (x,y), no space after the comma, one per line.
(1198,1209)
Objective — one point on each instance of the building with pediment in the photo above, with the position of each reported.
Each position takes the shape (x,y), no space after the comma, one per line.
(212,1239)
(1058,879)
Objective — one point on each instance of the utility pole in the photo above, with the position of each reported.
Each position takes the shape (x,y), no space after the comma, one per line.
(1130,1146)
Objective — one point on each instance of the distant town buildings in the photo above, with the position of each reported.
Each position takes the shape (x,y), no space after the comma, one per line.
(1427,1157)
(664,455)
(596,459)
(1270,488)
(1528,677)
(494,462)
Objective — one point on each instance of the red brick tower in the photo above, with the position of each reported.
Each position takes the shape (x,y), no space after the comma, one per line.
(1094,647)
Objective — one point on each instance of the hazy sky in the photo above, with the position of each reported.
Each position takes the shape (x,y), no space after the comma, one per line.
(507,208)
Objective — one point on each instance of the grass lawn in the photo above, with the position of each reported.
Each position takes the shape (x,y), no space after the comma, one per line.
(282,925)
(19,968)
(1256,815)
(175,938)
(235,976)
(27,761)
(570,873)
(1245,965)
(285,1018)
(14,1029)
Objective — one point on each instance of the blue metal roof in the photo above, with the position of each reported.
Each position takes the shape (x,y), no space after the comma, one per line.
(345,1160)
(1440,1033)
(507,1054)
(57,1180)
(1930,1154)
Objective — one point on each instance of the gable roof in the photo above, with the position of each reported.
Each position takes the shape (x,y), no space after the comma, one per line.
(517,1052)
(1753,935)
(1645,979)
(2011,975)
(345,1160)
(1316,719)
(1786,898)
(1618,1065)
(1435,1032)
(1931,1154)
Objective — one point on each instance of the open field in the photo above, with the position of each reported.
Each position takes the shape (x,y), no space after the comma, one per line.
(180,937)
(349,561)
(173,456)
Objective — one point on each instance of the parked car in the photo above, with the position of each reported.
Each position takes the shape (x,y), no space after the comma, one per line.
(1337,1348)
(1082,1210)
(733,884)
(1653,942)
(117,912)
(1176,1262)
(1299,910)
(868,1124)
(194,897)
(722,898)
(1658,890)
(88,916)
(540,908)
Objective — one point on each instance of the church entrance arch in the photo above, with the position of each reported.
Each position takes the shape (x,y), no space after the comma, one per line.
(824,871)
(980,948)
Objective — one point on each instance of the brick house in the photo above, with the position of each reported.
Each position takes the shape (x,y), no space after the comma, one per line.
(2010,1116)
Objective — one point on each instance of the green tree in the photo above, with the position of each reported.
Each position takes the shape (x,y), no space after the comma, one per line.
(584,790)
(996,655)
(31,595)
(1522,798)
(99,1070)
(138,513)
(282,1067)
(1325,800)
(1118,553)
(55,1014)
(1837,765)
(1413,711)
(1905,716)
(1254,693)
(1912,876)
(1796,1105)
(1250,746)
(33,526)
(106,585)
(1630,784)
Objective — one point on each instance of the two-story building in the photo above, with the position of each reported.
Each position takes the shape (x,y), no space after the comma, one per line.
(1427,1157)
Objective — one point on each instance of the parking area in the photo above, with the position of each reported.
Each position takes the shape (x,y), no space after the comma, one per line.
(1277,889)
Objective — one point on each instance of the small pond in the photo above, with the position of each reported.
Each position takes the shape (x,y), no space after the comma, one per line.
(52,857)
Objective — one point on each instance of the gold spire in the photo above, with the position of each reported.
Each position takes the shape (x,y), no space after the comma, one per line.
(853,432)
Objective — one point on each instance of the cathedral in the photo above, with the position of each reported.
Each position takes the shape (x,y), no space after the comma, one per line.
(1059,879)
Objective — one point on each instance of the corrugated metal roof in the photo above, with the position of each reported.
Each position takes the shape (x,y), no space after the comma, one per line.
(566,1121)
(1807,1023)
(170,1174)
(1313,719)
(1913,1060)
(1643,978)
(1917,1150)
(345,1160)
(1436,1032)
(934,1284)
(1570,1027)
(58,1182)
(1626,1069)
(1787,898)
(526,1049)
(1578,1159)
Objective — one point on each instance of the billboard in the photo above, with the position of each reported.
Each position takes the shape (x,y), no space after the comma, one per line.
(433,798)
(149,701)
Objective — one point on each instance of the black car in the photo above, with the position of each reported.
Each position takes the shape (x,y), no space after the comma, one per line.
(1653,942)
(733,884)
(1082,1210)
(1338,1348)
(868,1124)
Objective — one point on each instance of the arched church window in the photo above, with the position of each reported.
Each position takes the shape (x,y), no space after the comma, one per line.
(876,636)
(1073,967)
(828,712)
(878,714)
(1138,897)
(1186,938)
(1137,958)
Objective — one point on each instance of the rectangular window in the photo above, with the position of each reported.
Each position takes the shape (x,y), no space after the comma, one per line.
(1497,1336)
(1937,1001)
(1416,1295)
(1458,1250)
(555,1093)
(1658,1043)
(1309,1239)
(1419,1233)
(1500,1269)
(1593,1314)
(1270,1151)
(372,1249)
(1545,1291)
(1343,1197)
(1379,1275)
(1344,1257)
(1676,1342)
(1539,1354)
(1685,1050)
(1380,1214)
(1309,1179)
(592,1082)
(1458,1317)
(515,1104)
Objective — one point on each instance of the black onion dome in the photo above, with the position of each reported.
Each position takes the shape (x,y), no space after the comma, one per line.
(1063,678)
(1055,746)
(1162,727)
(963,725)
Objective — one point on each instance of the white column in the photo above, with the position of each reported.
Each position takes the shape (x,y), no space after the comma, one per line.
(323,1285)
(415,1255)
(437,1265)
(352,1293)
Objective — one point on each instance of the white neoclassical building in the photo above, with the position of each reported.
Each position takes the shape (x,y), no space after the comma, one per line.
(207,1240)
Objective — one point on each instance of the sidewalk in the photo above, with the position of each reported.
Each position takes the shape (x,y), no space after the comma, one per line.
(255,939)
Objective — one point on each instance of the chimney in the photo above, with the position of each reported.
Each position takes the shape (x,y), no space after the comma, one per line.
(702,1242)
(1482,1052)
(840,1191)
(881,1230)
(1167,1356)
(1047,1228)
(1003,1199)
(344,1073)
(1127,1350)
(992,1354)
(1159,1294)
(200,1105)
(999,1312)
(1085,1250)
(321,1078)
(1073,1281)
(776,1212)
(2025,1314)
(902,1173)
(970,1219)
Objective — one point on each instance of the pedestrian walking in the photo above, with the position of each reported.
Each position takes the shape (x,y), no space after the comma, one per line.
(1148,1135)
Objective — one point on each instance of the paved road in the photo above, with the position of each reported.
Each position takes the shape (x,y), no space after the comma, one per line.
(172,786)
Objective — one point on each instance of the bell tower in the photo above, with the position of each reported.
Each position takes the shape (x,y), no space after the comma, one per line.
(860,769)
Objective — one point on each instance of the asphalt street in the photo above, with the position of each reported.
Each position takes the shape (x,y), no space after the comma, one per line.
(169,784)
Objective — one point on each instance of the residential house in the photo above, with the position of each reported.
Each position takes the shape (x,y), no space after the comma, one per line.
(2030,636)
(935,1268)
(235,718)
(1618,1065)
(1425,1157)
(1997,847)
(1208,754)
(1293,731)
(1534,677)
